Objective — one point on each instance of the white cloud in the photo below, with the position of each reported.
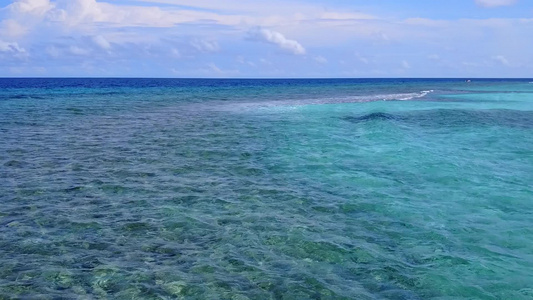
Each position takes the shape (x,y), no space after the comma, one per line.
(472,64)
(12,28)
(176,53)
(101,42)
(425,22)
(53,51)
(362,59)
(8,47)
(78,51)
(501,59)
(346,16)
(240,59)
(34,7)
(12,49)
(89,12)
(213,70)
(495,3)
(85,30)
(276,38)
(76,12)
(320,59)
(265,61)
(205,45)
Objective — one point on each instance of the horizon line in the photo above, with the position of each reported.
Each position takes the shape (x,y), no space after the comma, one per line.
(259,78)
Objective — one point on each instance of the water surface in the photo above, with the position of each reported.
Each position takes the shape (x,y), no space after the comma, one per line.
(266,189)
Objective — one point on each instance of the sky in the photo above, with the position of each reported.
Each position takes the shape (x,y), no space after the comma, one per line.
(266,39)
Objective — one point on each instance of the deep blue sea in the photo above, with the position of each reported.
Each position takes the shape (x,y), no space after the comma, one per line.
(266,189)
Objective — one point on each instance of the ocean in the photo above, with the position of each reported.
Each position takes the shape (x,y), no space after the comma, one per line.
(266,189)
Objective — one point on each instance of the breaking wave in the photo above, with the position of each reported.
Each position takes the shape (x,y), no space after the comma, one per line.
(401,96)
(325,100)
(366,98)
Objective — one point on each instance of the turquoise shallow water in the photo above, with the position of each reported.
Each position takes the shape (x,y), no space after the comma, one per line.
(266,189)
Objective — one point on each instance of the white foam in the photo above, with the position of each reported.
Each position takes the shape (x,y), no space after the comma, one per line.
(295,103)
(390,97)
(419,95)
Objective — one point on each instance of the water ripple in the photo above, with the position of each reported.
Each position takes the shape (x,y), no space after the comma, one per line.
(129,194)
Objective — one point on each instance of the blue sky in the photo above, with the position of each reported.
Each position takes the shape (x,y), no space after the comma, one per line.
(277,38)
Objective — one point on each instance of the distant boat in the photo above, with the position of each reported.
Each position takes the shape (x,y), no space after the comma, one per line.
(468,80)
